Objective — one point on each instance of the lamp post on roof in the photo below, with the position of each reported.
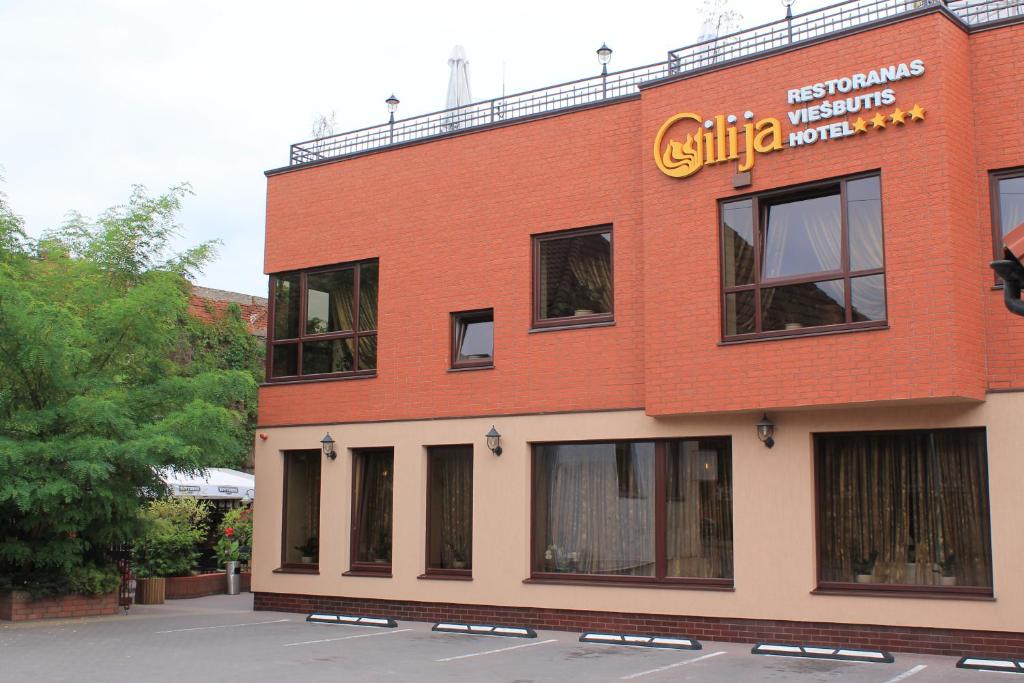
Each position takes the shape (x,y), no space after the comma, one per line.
(604,55)
(392,103)
(788,4)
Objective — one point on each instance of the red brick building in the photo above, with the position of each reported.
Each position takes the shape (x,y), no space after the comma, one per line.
(793,222)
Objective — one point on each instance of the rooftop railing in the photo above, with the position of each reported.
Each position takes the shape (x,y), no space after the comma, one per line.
(744,44)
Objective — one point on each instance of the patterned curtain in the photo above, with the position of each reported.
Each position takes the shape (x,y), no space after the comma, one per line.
(452,497)
(912,501)
(373,477)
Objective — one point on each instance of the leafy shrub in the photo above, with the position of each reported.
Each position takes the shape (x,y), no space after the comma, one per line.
(92,580)
(172,528)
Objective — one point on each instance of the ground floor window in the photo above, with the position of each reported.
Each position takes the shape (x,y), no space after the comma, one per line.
(301,510)
(904,511)
(634,511)
(450,510)
(372,477)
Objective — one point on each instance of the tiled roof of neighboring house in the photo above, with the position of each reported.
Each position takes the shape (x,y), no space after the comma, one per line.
(208,304)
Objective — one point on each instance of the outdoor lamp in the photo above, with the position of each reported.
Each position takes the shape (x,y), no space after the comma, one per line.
(604,55)
(392,104)
(328,445)
(766,431)
(494,441)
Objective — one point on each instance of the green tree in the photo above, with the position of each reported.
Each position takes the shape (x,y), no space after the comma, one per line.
(105,380)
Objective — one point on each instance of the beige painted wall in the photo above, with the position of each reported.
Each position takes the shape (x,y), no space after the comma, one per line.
(773,515)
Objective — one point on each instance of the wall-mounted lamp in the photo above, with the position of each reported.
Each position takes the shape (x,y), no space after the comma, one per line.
(328,446)
(494,441)
(766,431)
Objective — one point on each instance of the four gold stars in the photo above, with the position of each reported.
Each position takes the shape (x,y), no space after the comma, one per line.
(898,118)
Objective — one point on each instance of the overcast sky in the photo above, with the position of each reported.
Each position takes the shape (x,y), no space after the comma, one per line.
(96,96)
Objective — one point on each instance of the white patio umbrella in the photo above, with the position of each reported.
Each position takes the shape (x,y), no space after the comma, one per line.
(458,86)
(215,483)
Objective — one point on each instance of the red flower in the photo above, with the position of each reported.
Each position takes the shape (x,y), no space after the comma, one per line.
(229,532)
(72,534)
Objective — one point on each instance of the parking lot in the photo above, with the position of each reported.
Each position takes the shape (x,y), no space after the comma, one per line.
(220,638)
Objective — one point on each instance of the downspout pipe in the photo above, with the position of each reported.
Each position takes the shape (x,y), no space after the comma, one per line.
(1012,275)
(1010,270)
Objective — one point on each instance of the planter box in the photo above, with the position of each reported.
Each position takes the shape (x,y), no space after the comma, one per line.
(19,606)
(150,591)
(180,587)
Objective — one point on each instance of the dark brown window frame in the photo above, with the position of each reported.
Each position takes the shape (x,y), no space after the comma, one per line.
(355,334)
(660,525)
(294,567)
(994,177)
(438,572)
(539,322)
(357,568)
(760,201)
(457,318)
(879,589)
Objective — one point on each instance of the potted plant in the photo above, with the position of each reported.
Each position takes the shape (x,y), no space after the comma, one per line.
(227,550)
(864,568)
(309,550)
(947,568)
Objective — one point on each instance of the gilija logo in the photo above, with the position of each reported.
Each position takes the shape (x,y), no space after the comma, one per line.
(719,142)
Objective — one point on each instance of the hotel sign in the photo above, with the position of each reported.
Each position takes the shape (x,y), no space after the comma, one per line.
(687,142)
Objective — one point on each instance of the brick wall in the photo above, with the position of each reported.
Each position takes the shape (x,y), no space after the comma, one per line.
(18,606)
(472,202)
(180,587)
(451,222)
(211,304)
(949,642)
(998,89)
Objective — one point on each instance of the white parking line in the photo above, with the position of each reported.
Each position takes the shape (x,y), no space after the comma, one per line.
(672,666)
(907,674)
(360,635)
(206,628)
(491,652)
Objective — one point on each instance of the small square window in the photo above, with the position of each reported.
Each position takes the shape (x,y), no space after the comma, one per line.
(572,273)
(473,339)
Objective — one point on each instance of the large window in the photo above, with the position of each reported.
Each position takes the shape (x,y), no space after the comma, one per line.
(300,546)
(324,322)
(1007,205)
(572,273)
(638,511)
(904,511)
(801,261)
(450,511)
(372,477)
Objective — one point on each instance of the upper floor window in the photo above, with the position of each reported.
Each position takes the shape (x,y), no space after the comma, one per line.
(324,322)
(1007,205)
(572,273)
(473,339)
(809,259)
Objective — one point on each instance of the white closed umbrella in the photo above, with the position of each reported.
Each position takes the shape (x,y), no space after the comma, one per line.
(458,80)
(458,86)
